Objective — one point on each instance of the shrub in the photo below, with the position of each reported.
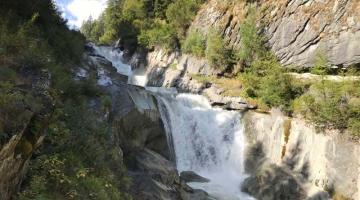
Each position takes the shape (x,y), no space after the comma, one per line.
(180,14)
(195,44)
(161,34)
(332,104)
(216,52)
(321,64)
(133,9)
(252,44)
(266,79)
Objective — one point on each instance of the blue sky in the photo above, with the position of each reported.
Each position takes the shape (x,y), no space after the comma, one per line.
(76,11)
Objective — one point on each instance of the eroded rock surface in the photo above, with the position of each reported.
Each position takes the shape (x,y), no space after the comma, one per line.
(319,161)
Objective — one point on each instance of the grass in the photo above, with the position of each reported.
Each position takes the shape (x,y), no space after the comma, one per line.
(232,86)
(173,66)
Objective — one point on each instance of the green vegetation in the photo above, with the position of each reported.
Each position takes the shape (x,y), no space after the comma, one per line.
(252,44)
(76,160)
(321,64)
(232,87)
(263,76)
(180,14)
(267,81)
(332,105)
(195,44)
(161,34)
(216,52)
(148,23)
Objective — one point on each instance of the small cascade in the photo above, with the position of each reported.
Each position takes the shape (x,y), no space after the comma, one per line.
(115,56)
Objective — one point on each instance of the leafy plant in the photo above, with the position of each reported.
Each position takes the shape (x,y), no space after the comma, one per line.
(216,52)
(195,44)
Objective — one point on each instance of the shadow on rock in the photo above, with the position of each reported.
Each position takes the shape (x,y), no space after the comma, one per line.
(272,182)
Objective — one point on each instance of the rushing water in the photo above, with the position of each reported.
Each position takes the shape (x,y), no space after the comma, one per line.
(116,57)
(209,141)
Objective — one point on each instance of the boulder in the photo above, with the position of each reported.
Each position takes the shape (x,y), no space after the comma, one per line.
(157,167)
(190,176)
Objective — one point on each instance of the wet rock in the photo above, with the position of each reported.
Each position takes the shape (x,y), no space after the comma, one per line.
(157,167)
(190,176)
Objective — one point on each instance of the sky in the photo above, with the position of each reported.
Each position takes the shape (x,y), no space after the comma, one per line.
(76,11)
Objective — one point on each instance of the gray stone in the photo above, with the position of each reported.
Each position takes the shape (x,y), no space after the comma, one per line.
(314,157)
(190,176)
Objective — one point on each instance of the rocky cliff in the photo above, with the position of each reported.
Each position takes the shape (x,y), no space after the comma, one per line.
(16,152)
(290,149)
(319,160)
(295,29)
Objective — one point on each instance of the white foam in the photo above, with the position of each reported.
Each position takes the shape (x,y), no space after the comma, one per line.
(209,141)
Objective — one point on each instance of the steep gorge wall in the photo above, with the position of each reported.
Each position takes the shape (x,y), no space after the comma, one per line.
(295,29)
(326,160)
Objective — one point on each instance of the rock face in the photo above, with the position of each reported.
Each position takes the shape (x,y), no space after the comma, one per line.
(16,153)
(172,70)
(295,29)
(320,161)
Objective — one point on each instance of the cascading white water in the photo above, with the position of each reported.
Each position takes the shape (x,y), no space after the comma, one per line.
(209,141)
(115,56)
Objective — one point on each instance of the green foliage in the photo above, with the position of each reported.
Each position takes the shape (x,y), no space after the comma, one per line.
(195,44)
(352,70)
(266,80)
(93,29)
(216,52)
(161,34)
(150,23)
(180,14)
(332,104)
(321,64)
(133,10)
(252,44)
(76,161)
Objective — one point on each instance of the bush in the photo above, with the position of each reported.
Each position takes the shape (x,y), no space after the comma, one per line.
(133,9)
(252,45)
(195,44)
(180,14)
(161,34)
(332,105)
(266,80)
(216,52)
(76,160)
(321,64)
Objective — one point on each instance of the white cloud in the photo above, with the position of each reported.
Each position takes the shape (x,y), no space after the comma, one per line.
(83,9)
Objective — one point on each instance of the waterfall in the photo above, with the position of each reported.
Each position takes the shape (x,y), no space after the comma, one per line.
(209,141)
(115,56)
